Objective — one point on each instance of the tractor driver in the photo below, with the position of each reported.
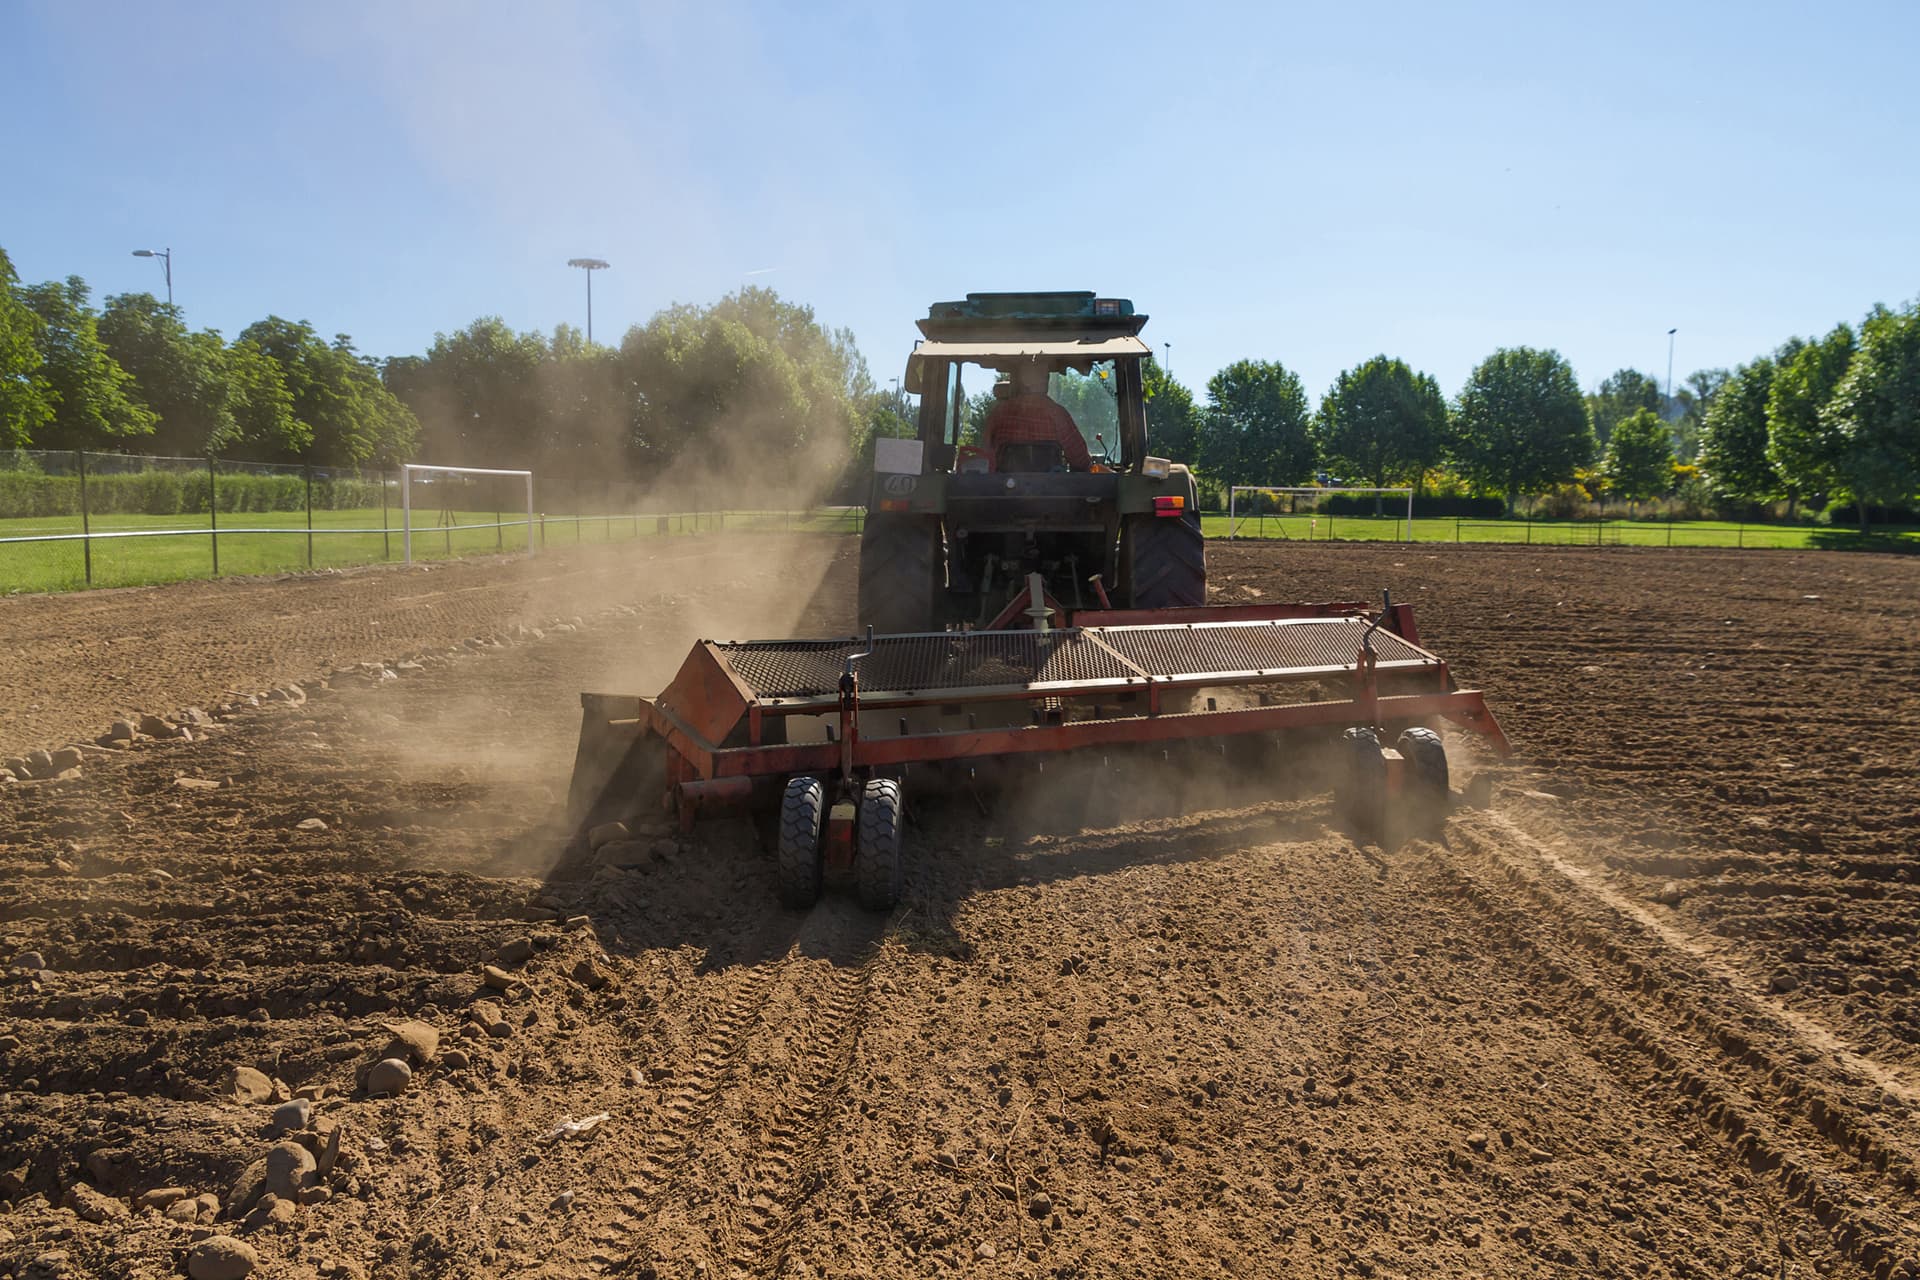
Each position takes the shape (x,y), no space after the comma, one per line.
(1029,416)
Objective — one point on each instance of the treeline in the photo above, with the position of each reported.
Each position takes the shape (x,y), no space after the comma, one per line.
(752,389)
(754,394)
(131,376)
(1824,422)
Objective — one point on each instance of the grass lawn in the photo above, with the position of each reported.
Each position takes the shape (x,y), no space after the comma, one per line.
(1560,533)
(339,538)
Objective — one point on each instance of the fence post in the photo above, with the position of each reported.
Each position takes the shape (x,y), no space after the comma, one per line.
(1669,526)
(213,516)
(1740,535)
(386,539)
(1456,530)
(86,525)
(309,471)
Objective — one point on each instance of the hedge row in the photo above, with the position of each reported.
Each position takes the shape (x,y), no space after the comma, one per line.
(1356,504)
(171,493)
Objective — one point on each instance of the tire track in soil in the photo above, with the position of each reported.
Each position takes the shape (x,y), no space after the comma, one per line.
(1815,1146)
(794,1021)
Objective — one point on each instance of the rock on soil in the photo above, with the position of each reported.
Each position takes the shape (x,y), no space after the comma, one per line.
(414,1039)
(244,1084)
(389,1075)
(221,1258)
(290,1168)
(92,1205)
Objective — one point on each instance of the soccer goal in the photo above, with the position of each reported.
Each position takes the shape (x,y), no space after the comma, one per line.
(1253,507)
(454,494)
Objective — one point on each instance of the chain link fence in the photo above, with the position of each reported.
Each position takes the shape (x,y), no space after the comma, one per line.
(72,519)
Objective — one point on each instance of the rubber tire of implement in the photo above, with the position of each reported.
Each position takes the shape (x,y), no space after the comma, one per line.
(876,845)
(1425,792)
(901,574)
(1166,561)
(797,850)
(1360,785)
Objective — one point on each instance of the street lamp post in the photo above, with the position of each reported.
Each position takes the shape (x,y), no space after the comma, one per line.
(1670,334)
(589,265)
(166,261)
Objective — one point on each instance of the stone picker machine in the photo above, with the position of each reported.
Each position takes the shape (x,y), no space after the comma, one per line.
(973,671)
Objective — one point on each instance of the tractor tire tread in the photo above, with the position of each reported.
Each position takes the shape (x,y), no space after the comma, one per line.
(901,574)
(876,845)
(1166,562)
(797,849)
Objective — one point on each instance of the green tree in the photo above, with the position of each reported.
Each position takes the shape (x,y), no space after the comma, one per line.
(1520,424)
(1733,436)
(1806,449)
(180,376)
(1876,411)
(1382,422)
(89,393)
(25,398)
(478,394)
(1696,397)
(1639,459)
(341,410)
(753,393)
(1255,430)
(1173,420)
(261,408)
(1623,394)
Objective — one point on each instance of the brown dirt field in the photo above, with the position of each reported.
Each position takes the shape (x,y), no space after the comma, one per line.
(1651,1015)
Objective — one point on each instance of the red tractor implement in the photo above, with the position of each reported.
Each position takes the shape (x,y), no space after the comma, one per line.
(824,739)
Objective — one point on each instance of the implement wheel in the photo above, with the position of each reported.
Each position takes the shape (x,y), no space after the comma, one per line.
(1424,794)
(797,851)
(876,845)
(902,574)
(1360,783)
(1165,561)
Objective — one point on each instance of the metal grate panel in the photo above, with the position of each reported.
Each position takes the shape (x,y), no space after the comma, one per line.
(1214,648)
(925,663)
(921,664)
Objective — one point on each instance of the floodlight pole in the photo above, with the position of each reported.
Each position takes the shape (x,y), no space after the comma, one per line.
(166,261)
(1670,334)
(589,265)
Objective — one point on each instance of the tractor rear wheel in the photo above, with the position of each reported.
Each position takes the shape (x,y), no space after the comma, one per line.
(1165,561)
(876,845)
(797,850)
(902,574)
(1426,786)
(1360,783)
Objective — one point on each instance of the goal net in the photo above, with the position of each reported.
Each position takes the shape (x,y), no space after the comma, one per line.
(1258,502)
(439,500)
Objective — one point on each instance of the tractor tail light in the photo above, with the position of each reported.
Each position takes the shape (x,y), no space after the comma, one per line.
(895,504)
(1173,505)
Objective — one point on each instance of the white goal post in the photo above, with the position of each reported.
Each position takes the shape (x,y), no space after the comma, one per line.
(1318,491)
(407,472)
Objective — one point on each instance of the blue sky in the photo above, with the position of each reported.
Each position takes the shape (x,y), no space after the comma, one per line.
(1313,184)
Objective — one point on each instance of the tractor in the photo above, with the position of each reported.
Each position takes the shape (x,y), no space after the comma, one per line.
(955,529)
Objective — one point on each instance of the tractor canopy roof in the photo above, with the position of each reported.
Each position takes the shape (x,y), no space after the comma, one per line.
(983,315)
(1000,330)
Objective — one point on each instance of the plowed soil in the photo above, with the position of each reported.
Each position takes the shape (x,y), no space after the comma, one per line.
(1653,1013)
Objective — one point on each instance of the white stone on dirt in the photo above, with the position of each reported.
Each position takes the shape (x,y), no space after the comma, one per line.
(157,726)
(497,978)
(161,1197)
(221,1258)
(389,1075)
(67,758)
(244,1084)
(311,824)
(289,1116)
(120,731)
(39,763)
(197,784)
(290,1167)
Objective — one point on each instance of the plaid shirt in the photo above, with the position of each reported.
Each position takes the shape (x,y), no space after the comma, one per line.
(1034,419)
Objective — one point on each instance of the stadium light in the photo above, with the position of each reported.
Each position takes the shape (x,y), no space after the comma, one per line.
(589,265)
(1670,334)
(166,261)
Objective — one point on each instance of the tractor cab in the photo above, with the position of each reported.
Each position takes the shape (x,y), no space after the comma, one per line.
(1052,476)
